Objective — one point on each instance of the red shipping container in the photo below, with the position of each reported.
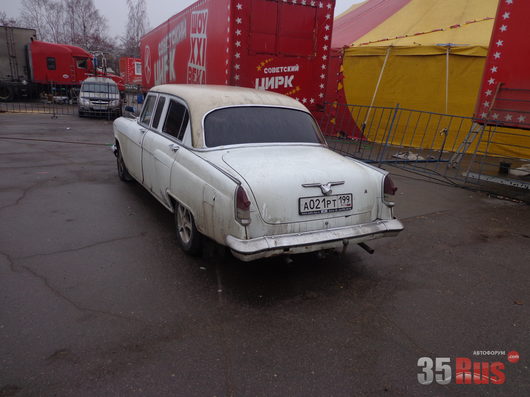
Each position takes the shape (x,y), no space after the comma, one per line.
(276,45)
(131,70)
(504,98)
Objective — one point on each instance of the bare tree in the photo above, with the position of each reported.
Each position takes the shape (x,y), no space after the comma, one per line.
(54,18)
(76,22)
(33,16)
(137,25)
(7,21)
(84,24)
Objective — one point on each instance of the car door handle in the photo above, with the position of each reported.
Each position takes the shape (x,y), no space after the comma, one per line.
(174,147)
(143,130)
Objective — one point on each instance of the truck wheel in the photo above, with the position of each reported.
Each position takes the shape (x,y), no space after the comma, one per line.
(188,236)
(123,173)
(6,94)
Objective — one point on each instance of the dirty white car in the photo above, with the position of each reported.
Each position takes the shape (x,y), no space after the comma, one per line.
(250,170)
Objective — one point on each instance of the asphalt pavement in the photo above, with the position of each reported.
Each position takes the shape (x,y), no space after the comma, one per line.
(96,298)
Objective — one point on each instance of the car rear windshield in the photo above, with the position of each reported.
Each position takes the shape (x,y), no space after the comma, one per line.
(259,124)
(100,88)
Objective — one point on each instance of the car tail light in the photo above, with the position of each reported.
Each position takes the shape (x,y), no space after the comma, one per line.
(242,206)
(389,189)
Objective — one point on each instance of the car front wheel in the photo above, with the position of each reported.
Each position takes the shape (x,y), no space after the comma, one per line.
(188,236)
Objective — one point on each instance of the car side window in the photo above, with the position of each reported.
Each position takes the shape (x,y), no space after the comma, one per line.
(177,119)
(147,112)
(158,111)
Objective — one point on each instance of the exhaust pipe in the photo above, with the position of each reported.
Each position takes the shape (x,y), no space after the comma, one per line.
(366,248)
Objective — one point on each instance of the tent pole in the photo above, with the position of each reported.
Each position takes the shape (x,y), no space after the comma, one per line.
(447,80)
(376,89)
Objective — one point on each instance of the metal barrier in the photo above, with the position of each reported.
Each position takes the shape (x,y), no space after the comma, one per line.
(447,148)
(58,101)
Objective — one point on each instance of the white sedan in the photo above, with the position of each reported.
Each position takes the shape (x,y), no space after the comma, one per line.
(250,170)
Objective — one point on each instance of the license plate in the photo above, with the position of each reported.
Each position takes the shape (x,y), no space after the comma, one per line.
(325,204)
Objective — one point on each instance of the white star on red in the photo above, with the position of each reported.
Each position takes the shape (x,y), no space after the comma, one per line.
(488,93)
(328,16)
(304,100)
(500,43)
(329,5)
(503,28)
(486,104)
(323,66)
(508,117)
(238,44)
(521,119)
(494,69)
(236,66)
(324,57)
(320,5)
(495,116)
(238,32)
(239,20)
(326,37)
(497,55)
(312,100)
(321,95)
(509,1)
(322,76)
(484,115)
(327,27)
(506,15)
(236,77)
(239,6)
(238,55)
(325,48)
(313,4)
(491,81)
(322,86)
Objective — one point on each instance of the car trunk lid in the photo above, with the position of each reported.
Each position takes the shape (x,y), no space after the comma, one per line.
(280,175)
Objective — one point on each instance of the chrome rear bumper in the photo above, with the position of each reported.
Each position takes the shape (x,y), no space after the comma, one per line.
(263,247)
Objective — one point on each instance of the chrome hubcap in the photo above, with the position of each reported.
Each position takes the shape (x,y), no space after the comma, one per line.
(184,224)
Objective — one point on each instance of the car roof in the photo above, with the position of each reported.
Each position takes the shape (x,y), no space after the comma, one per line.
(203,98)
(99,80)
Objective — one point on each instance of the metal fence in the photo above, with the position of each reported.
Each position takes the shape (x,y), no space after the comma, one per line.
(449,149)
(58,101)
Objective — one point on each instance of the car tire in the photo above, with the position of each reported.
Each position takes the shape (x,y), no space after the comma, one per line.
(6,94)
(188,236)
(123,173)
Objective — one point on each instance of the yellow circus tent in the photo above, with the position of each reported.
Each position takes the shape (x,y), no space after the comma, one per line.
(426,55)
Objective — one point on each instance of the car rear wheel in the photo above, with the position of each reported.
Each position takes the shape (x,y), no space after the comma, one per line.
(188,236)
(123,173)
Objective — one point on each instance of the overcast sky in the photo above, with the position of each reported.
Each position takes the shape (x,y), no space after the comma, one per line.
(158,10)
